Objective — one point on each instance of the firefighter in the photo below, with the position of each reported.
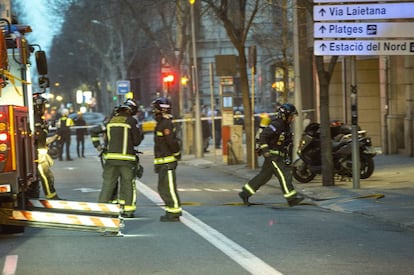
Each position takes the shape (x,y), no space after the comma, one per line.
(44,161)
(122,135)
(63,129)
(274,144)
(166,154)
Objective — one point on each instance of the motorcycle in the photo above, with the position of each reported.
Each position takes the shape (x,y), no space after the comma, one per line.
(309,163)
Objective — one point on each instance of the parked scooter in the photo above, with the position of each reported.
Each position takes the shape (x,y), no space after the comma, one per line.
(309,163)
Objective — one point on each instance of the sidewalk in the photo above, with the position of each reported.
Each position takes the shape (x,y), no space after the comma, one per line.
(388,195)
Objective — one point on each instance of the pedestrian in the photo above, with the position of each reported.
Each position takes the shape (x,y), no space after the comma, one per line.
(166,155)
(122,135)
(205,127)
(275,143)
(80,135)
(44,161)
(63,130)
(217,126)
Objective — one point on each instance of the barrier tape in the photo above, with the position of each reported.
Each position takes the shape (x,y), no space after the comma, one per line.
(13,79)
(178,120)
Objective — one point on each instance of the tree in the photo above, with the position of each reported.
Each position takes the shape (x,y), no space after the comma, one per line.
(324,76)
(103,46)
(237,17)
(165,25)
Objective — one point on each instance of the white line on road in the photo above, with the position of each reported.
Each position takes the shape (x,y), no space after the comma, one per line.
(10,265)
(240,255)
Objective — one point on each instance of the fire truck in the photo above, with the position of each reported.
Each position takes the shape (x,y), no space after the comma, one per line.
(20,205)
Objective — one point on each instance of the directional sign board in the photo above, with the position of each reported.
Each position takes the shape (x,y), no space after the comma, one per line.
(363,11)
(364,47)
(361,30)
(123,87)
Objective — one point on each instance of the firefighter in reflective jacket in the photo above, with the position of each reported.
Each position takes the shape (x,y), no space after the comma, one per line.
(122,136)
(166,154)
(44,161)
(274,143)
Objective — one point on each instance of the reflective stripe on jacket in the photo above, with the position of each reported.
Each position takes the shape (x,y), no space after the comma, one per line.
(166,145)
(122,134)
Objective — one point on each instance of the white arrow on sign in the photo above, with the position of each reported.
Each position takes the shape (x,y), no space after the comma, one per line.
(371,29)
(87,190)
(364,47)
(363,11)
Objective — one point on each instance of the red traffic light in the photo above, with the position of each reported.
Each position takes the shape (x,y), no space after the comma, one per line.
(169,78)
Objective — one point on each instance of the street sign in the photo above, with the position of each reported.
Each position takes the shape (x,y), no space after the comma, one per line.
(123,87)
(363,11)
(364,47)
(358,30)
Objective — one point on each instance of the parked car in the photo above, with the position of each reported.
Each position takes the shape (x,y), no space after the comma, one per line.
(91,118)
(148,124)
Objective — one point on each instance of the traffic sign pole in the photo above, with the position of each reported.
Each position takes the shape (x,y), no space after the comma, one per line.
(332,25)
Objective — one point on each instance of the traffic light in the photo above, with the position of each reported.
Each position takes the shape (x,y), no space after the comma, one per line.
(184,80)
(168,79)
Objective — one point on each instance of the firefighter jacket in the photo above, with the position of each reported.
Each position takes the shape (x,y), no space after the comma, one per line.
(276,138)
(64,124)
(166,143)
(122,135)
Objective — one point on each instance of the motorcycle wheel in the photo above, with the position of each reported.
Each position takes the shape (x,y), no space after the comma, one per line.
(367,167)
(301,171)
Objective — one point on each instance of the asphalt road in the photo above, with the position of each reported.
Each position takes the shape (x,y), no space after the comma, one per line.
(216,235)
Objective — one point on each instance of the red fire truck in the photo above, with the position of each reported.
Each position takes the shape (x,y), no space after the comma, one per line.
(20,205)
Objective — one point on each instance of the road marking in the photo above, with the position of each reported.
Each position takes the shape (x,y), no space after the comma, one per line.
(207,189)
(237,253)
(87,190)
(10,265)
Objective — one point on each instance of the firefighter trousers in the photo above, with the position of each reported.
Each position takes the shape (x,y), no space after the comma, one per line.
(124,171)
(48,180)
(167,188)
(273,166)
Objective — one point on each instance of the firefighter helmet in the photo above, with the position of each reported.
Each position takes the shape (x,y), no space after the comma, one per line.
(133,105)
(161,105)
(39,103)
(124,108)
(286,110)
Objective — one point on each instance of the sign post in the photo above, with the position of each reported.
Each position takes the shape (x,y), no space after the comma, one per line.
(394,38)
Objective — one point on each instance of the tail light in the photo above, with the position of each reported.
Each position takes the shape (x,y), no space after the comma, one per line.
(5,140)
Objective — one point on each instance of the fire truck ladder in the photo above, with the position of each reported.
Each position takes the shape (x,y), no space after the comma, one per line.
(69,215)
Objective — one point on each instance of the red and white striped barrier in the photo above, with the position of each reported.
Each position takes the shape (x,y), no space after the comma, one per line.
(110,224)
(104,208)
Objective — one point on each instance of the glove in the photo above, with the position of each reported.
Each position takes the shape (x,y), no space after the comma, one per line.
(288,161)
(139,171)
(266,154)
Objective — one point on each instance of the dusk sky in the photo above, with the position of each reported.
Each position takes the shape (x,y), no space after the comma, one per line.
(42,20)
